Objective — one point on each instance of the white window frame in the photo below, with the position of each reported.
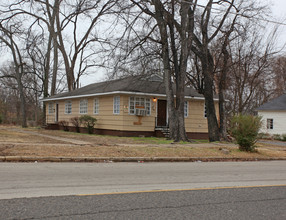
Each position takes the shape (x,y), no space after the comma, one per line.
(116,105)
(139,101)
(83,106)
(68,107)
(270,123)
(96,106)
(148,106)
(186,109)
(51,108)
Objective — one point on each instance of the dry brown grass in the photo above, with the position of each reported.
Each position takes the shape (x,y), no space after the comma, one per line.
(13,142)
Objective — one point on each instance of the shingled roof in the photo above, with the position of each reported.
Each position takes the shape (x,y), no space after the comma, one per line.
(277,104)
(137,85)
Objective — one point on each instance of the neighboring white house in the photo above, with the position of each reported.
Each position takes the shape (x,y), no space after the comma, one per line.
(274,115)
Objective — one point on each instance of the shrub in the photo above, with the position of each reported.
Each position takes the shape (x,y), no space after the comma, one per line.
(0,119)
(88,122)
(245,128)
(283,137)
(264,136)
(276,137)
(64,124)
(76,122)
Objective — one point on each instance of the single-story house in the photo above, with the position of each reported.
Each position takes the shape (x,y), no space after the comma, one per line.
(274,115)
(131,106)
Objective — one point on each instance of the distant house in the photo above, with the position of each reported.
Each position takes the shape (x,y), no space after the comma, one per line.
(274,115)
(131,106)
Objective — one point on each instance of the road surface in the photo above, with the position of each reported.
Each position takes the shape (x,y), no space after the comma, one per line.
(248,190)
(20,180)
(223,204)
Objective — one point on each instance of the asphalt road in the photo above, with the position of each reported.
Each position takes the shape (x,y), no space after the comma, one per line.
(56,190)
(18,180)
(238,203)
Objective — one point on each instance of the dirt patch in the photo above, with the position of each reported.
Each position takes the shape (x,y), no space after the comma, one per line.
(11,135)
(15,141)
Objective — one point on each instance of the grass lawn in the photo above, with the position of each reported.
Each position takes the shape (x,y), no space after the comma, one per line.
(15,141)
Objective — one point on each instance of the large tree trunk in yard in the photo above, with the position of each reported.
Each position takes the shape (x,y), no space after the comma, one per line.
(222,85)
(211,113)
(222,116)
(177,126)
(176,115)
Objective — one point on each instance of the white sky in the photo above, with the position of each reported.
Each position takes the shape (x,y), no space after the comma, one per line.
(278,7)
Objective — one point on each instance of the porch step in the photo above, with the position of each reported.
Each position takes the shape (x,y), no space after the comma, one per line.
(165,131)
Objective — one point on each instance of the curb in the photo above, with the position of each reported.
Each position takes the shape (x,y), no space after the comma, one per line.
(131,159)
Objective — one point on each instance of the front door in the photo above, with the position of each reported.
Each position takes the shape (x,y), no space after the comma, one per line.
(162,113)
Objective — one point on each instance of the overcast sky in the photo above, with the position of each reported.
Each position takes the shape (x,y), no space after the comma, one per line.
(278,7)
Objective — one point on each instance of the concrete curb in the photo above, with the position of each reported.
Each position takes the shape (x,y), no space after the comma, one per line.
(130,159)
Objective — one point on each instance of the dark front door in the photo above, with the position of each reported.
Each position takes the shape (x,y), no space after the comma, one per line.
(162,113)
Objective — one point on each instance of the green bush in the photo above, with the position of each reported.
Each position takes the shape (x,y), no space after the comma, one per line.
(0,119)
(245,128)
(76,122)
(88,122)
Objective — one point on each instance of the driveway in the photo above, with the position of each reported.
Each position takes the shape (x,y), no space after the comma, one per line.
(270,142)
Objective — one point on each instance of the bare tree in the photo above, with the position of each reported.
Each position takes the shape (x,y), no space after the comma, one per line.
(279,72)
(171,21)
(222,68)
(250,78)
(71,30)
(83,35)
(208,27)
(8,38)
(52,21)
(216,20)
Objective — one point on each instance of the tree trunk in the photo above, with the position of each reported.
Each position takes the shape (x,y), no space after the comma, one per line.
(55,46)
(22,100)
(177,126)
(175,110)
(55,68)
(176,114)
(222,86)
(210,108)
(222,116)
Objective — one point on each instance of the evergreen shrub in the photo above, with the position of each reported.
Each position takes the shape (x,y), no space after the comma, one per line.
(245,129)
(88,122)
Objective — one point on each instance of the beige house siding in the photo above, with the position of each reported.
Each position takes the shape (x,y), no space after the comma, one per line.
(194,122)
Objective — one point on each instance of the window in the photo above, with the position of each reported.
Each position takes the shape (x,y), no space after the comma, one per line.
(83,106)
(205,111)
(186,109)
(269,123)
(148,106)
(139,102)
(96,106)
(131,105)
(51,108)
(68,107)
(116,105)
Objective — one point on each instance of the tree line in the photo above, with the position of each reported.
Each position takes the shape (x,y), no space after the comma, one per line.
(224,49)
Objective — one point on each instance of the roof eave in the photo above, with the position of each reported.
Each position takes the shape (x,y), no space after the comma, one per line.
(116,92)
